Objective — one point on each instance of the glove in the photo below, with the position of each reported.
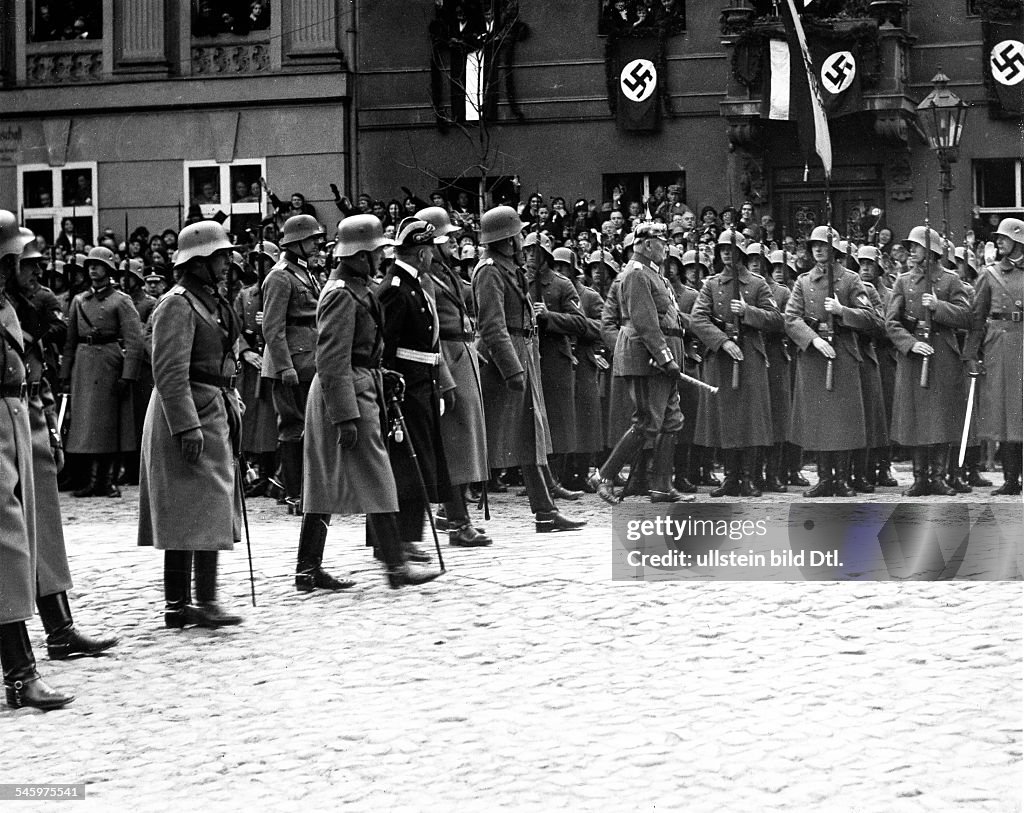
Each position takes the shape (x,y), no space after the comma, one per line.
(516,383)
(348,434)
(448,399)
(191,445)
(671,368)
(975,368)
(65,385)
(394,386)
(334,190)
(290,377)
(58,457)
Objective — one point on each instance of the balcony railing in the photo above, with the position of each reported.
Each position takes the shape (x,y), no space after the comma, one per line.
(63,62)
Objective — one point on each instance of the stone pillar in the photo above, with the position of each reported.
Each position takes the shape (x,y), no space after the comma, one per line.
(312,34)
(141,36)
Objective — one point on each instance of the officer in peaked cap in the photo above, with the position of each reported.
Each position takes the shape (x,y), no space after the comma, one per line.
(517,425)
(346,466)
(290,294)
(931,418)
(997,317)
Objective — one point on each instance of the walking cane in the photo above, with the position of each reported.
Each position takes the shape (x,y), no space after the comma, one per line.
(419,474)
(245,524)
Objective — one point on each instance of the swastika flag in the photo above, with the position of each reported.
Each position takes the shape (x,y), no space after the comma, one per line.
(638,82)
(1004,66)
(839,77)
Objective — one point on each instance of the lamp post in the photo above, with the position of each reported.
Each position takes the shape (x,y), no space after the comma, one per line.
(942,115)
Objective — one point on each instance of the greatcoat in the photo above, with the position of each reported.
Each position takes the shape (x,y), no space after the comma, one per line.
(517,424)
(618,404)
(347,387)
(259,423)
(876,424)
(934,415)
(100,324)
(589,437)
(735,419)
(17,483)
(185,506)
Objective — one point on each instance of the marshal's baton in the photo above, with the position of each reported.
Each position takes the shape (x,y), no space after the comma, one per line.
(696,382)
(967,421)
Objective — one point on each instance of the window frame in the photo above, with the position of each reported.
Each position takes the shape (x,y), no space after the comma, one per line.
(1018,206)
(57,211)
(224,177)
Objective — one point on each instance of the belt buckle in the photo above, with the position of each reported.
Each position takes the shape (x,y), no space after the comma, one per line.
(24,391)
(88,340)
(232,379)
(1017,316)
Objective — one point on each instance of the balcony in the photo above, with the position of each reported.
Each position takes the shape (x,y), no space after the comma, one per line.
(63,62)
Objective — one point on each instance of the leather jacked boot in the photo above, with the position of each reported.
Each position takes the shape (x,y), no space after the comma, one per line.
(177,587)
(309,575)
(972,468)
(823,488)
(88,490)
(1010,453)
(884,469)
(681,465)
(105,471)
(919,488)
(792,465)
(22,684)
(291,476)
(546,522)
(466,536)
(861,468)
(663,459)
(937,486)
(748,462)
(605,489)
(730,486)
(398,572)
(207,612)
(755,467)
(774,469)
(63,641)
(841,486)
(707,468)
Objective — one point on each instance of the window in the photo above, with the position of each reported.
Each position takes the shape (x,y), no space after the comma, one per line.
(998,186)
(213,17)
(229,193)
(632,17)
(60,202)
(639,186)
(51,20)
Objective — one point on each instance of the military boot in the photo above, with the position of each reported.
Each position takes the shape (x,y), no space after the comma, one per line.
(793,465)
(177,587)
(841,486)
(972,468)
(661,474)
(823,488)
(748,464)
(1011,456)
(681,467)
(63,641)
(207,612)
(774,469)
(22,684)
(861,469)
(89,489)
(955,474)
(730,486)
(920,485)
(883,465)
(937,455)
(309,575)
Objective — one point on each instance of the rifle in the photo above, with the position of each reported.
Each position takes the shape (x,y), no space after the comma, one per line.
(827,329)
(733,329)
(923,332)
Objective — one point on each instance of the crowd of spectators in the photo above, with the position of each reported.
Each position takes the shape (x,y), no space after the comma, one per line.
(67,20)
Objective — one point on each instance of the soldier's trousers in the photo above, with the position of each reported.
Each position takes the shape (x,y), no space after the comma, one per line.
(655,404)
(290,405)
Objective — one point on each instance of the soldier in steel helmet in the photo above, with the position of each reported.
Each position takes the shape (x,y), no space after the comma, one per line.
(463,430)
(997,316)
(102,357)
(189,495)
(517,426)
(928,419)
(346,467)
(290,294)
(18,568)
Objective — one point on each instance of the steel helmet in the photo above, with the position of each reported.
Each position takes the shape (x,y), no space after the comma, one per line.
(360,233)
(691,257)
(730,237)
(567,256)
(825,234)
(31,251)
(265,249)
(1013,228)
(966,255)
(675,252)
(599,256)
(438,218)
(869,253)
(236,259)
(202,239)
(13,238)
(535,238)
(296,229)
(926,238)
(754,250)
(103,255)
(499,223)
(134,267)
(780,257)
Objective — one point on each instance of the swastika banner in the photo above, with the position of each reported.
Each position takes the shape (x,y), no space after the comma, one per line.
(638,80)
(839,76)
(1004,66)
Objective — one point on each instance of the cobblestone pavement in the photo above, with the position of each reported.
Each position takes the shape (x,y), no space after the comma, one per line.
(525,679)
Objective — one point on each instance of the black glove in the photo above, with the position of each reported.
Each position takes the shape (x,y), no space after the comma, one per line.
(671,368)
(975,368)
(517,382)
(394,386)
(348,434)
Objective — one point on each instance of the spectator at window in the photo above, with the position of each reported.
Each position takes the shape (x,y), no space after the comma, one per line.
(66,238)
(242,193)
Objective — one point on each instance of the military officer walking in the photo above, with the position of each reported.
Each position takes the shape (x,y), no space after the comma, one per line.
(346,466)
(997,317)
(517,426)
(928,305)
(290,294)
(189,491)
(22,684)
(102,357)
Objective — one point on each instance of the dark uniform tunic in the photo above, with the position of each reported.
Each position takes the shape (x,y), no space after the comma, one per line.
(934,415)
(290,294)
(463,429)
(197,506)
(820,420)
(997,318)
(517,424)
(562,322)
(587,407)
(735,419)
(779,379)
(411,337)
(100,324)
(17,484)
(348,387)
(876,423)
(259,423)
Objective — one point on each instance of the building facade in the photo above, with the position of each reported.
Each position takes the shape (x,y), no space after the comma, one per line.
(118,113)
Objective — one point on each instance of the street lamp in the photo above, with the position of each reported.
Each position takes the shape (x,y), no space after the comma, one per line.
(942,115)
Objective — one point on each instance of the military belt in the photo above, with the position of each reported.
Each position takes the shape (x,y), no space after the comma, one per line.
(224,382)
(525,332)
(417,356)
(458,337)
(100,339)
(1015,316)
(678,333)
(14,391)
(301,321)
(359,360)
